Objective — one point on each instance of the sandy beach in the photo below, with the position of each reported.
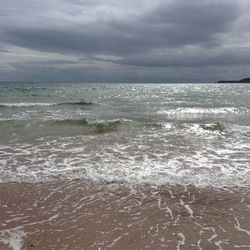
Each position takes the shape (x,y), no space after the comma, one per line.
(86,215)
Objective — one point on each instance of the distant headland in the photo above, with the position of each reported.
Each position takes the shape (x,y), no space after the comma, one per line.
(244,80)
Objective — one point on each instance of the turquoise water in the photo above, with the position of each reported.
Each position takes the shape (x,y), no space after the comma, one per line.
(195,134)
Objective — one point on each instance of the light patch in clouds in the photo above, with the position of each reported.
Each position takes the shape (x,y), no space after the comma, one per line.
(16,55)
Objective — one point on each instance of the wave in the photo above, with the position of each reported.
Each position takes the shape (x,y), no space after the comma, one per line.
(97,127)
(77,122)
(25,104)
(33,104)
(213,127)
(188,127)
(203,111)
(81,103)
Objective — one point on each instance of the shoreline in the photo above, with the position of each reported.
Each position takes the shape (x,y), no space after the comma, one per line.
(87,215)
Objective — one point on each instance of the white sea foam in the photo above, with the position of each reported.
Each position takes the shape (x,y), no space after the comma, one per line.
(26,104)
(13,238)
(202,111)
(153,159)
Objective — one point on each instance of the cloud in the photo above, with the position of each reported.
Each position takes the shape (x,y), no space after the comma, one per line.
(128,34)
(189,57)
(177,23)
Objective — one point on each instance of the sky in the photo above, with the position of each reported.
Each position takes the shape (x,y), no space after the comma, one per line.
(124,41)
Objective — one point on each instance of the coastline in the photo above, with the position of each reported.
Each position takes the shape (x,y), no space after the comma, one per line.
(82,214)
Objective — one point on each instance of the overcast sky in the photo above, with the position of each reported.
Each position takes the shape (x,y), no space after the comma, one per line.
(124,41)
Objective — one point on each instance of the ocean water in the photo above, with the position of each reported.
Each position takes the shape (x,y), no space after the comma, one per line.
(124,166)
(159,134)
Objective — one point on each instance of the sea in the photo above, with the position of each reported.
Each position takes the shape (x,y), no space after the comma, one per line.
(124,166)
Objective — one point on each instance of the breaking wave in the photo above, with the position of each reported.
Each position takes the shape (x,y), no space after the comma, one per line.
(25,104)
(98,127)
(213,127)
(204,111)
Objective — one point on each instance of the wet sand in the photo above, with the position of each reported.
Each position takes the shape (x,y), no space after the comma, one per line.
(86,215)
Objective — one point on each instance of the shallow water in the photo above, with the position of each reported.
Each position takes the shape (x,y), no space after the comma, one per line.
(87,215)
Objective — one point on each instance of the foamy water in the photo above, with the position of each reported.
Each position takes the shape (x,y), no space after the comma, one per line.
(157,134)
(13,238)
(195,161)
(25,104)
(204,111)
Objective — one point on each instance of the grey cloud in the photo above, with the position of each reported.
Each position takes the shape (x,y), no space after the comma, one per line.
(3,49)
(74,41)
(190,58)
(145,37)
(168,25)
(183,23)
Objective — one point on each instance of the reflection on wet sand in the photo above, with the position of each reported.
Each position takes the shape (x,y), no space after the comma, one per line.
(87,215)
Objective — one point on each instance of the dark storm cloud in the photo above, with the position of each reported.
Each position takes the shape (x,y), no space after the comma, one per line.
(167,25)
(139,35)
(182,23)
(87,41)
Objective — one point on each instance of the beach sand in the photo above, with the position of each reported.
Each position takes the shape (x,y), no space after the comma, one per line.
(85,215)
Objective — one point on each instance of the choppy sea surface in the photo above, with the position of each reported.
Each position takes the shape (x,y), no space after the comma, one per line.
(124,166)
(187,134)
